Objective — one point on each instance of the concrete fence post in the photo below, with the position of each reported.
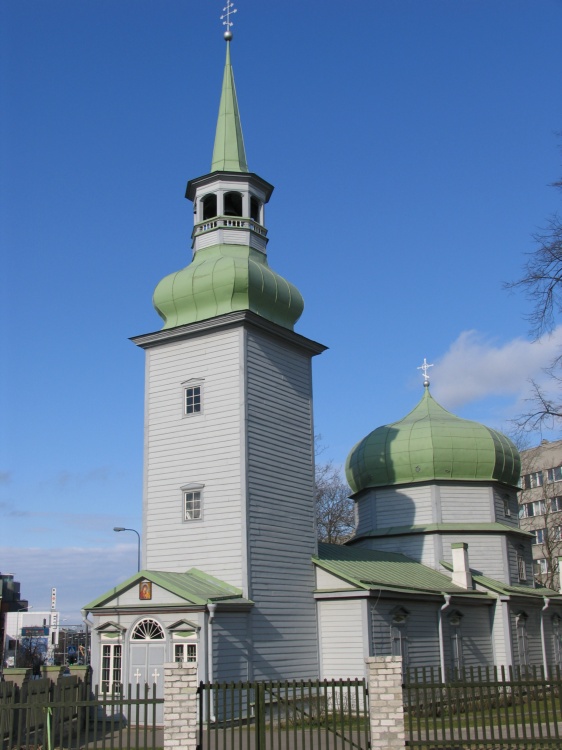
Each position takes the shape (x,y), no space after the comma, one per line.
(386,703)
(180,706)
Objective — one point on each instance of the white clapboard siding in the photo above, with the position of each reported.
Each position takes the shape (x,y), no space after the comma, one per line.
(466,504)
(342,639)
(203,448)
(280,516)
(419,547)
(325,580)
(403,506)
(131,598)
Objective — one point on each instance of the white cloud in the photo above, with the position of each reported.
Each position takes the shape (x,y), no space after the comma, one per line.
(476,367)
(79,574)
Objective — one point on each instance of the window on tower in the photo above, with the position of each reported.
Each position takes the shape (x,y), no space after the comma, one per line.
(192,399)
(192,505)
(209,206)
(233,204)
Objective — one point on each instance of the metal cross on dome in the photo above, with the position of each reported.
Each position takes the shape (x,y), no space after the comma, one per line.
(424,368)
(228,10)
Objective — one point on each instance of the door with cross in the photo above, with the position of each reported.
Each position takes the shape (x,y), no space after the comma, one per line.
(146,666)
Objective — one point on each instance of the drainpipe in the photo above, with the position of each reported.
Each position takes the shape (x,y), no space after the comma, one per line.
(543,637)
(212,609)
(447,604)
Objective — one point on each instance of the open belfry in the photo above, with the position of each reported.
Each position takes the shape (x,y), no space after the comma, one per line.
(438,570)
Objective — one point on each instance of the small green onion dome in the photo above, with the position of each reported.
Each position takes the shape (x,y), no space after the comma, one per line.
(431,443)
(223,279)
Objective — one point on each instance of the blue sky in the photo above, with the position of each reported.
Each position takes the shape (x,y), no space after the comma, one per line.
(411,144)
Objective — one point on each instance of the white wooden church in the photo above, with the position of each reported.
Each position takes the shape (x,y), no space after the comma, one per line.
(438,570)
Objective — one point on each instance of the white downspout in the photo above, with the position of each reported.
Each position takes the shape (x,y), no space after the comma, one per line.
(212,609)
(543,637)
(441,641)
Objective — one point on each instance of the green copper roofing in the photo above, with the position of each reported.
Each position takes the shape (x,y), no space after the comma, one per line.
(504,589)
(193,586)
(229,154)
(368,569)
(431,443)
(223,279)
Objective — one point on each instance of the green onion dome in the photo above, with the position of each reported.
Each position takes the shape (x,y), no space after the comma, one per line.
(223,279)
(431,443)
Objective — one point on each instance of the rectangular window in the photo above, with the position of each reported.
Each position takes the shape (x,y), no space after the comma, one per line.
(522,640)
(192,506)
(193,399)
(530,481)
(556,504)
(185,652)
(554,475)
(536,508)
(541,566)
(521,567)
(506,508)
(540,536)
(111,668)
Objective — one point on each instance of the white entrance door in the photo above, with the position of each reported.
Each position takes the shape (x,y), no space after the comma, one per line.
(146,666)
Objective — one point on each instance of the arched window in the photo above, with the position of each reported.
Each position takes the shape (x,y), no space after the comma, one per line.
(148,630)
(255,209)
(522,638)
(209,206)
(233,204)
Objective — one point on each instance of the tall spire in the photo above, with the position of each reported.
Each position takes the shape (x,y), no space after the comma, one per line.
(229,154)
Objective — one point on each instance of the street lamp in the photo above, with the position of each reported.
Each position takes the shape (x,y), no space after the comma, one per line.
(122,528)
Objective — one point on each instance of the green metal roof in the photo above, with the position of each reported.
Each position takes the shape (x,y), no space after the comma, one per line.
(367,569)
(445,528)
(223,279)
(229,154)
(502,588)
(193,586)
(431,443)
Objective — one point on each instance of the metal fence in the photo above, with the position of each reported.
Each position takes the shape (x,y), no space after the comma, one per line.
(69,715)
(483,708)
(316,715)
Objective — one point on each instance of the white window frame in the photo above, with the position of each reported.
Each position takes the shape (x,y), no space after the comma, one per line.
(542,566)
(190,385)
(532,509)
(111,671)
(455,629)
(533,480)
(185,652)
(506,508)
(554,474)
(194,489)
(540,536)
(556,504)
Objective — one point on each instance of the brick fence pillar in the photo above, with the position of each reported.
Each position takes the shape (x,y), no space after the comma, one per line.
(386,703)
(180,706)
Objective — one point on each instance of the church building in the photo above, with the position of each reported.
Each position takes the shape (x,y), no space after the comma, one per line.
(438,570)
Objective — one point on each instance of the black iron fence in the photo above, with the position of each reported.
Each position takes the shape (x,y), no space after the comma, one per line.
(69,714)
(292,715)
(478,708)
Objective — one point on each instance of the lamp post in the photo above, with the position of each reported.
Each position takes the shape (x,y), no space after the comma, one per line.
(122,528)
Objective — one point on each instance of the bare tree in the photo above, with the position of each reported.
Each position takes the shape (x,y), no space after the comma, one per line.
(335,518)
(542,285)
(32,652)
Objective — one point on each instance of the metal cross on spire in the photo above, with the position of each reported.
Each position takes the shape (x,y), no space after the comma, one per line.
(228,11)
(425,367)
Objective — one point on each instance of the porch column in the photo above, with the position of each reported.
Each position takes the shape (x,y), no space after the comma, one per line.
(386,703)
(180,706)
